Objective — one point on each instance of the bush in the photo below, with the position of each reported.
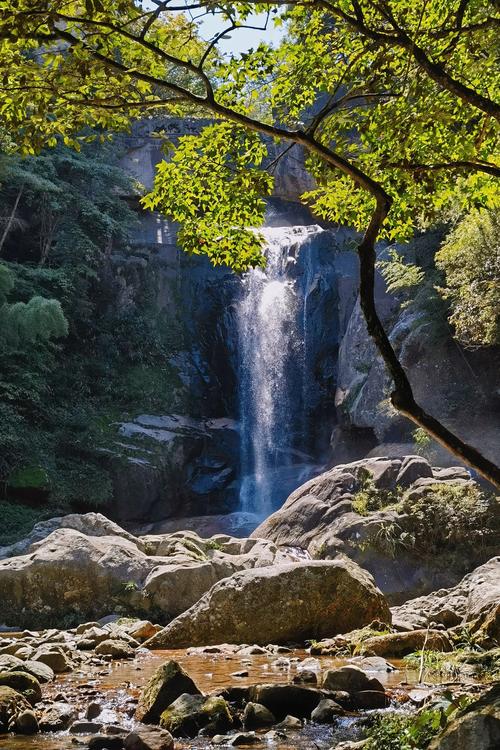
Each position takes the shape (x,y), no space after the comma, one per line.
(470,259)
(18,520)
(452,515)
(369,498)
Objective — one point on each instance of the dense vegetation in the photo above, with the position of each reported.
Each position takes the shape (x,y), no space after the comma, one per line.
(394,104)
(73,359)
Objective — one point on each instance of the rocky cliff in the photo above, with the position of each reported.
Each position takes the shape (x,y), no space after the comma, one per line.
(188,462)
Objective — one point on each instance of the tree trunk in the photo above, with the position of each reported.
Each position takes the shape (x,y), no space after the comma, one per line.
(11,218)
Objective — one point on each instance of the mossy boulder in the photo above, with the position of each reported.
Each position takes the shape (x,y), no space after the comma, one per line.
(477,727)
(187,715)
(23,683)
(12,704)
(167,683)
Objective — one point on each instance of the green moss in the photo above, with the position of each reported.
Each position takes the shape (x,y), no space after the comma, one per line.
(32,477)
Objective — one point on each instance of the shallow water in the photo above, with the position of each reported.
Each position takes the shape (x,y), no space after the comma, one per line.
(115,687)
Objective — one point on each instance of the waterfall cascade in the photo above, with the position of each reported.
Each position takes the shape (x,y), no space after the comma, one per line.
(271,326)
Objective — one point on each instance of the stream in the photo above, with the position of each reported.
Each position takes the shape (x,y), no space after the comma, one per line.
(117,686)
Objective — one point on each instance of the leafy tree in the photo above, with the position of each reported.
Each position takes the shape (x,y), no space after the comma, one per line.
(24,322)
(393,101)
(470,259)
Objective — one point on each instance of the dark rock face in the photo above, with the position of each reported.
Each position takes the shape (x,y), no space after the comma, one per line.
(187,462)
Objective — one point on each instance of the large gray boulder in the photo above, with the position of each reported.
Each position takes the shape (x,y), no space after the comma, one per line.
(474,600)
(285,602)
(85,566)
(323,517)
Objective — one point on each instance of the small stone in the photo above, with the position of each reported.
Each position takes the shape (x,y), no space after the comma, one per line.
(241,673)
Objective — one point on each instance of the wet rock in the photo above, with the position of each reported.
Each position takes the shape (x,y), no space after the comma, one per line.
(57,717)
(478,726)
(400,644)
(286,602)
(351,679)
(252,651)
(234,740)
(326,711)
(115,648)
(190,713)
(241,673)
(290,722)
(26,723)
(12,704)
(373,664)
(256,716)
(23,683)
(93,710)
(149,738)
(166,685)
(369,699)
(85,727)
(305,676)
(284,699)
(103,742)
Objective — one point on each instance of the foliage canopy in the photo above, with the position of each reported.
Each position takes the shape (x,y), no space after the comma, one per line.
(394,103)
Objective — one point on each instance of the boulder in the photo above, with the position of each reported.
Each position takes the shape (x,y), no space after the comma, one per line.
(350,679)
(12,705)
(473,600)
(287,602)
(38,669)
(324,517)
(167,684)
(187,715)
(477,727)
(400,644)
(326,711)
(54,658)
(256,716)
(281,700)
(23,683)
(77,565)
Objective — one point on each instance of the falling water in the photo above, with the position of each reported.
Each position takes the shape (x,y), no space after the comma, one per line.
(271,371)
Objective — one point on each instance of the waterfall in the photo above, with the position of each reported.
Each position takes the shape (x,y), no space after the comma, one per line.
(269,319)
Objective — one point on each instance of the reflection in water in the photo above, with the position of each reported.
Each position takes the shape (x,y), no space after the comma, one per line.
(116,687)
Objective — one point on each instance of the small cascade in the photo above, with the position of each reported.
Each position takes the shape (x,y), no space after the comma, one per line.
(270,331)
